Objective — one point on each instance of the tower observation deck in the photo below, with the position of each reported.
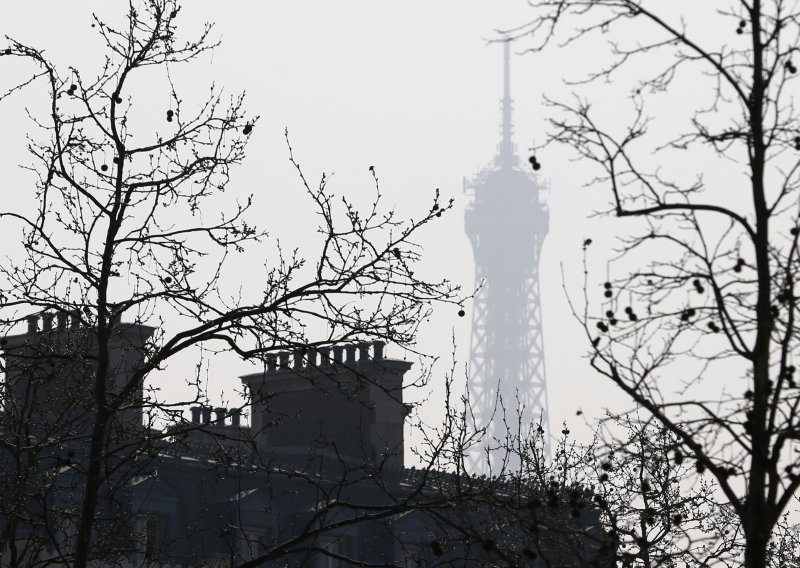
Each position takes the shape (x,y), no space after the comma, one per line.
(506,222)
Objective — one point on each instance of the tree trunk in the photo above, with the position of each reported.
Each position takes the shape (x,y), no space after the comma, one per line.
(755,553)
(94,473)
(91,489)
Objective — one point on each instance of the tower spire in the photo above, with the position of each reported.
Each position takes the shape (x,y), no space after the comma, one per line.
(506,158)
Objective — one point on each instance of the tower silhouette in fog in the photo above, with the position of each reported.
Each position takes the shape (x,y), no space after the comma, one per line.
(506,221)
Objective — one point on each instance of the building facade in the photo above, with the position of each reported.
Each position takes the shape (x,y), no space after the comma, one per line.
(315,477)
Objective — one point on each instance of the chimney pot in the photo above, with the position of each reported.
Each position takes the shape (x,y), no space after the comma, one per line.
(284,359)
(221,412)
(363,351)
(272,362)
(195,414)
(75,319)
(324,356)
(206,414)
(298,359)
(338,350)
(33,324)
(236,417)
(62,318)
(114,314)
(351,353)
(377,349)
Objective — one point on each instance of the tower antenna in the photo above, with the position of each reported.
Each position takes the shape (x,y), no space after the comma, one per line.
(506,157)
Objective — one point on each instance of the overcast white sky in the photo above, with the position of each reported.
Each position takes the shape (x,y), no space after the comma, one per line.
(410,87)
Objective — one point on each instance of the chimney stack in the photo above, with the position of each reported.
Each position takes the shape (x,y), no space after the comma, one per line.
(236,417)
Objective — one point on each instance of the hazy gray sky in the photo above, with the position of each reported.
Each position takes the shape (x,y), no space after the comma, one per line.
(411,88)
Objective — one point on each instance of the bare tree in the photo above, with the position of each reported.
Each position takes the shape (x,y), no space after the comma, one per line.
(656,511)
(697,321)
(127,225)
(627,498)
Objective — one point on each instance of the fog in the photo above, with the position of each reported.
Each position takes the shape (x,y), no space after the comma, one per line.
(412,89)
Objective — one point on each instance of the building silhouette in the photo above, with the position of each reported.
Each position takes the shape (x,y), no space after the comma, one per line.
(324,425)
(506,222)
(316,477)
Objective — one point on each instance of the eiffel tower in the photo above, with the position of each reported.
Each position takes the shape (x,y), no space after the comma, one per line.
(506,221)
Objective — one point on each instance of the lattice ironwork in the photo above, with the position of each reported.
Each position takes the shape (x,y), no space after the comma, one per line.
(506,221)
